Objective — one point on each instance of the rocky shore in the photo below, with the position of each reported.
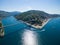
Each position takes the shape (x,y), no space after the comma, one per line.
(37,26)
(1,30)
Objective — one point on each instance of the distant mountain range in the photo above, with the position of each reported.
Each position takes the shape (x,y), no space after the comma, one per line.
(33,17)
(6,14)
(34,12)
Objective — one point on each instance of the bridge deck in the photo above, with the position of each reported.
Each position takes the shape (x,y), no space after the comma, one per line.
(8,25)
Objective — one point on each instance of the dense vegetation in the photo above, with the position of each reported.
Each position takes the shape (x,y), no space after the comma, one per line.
(33,17)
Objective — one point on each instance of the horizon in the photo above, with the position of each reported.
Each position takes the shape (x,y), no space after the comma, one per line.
(48,6)
(27,10)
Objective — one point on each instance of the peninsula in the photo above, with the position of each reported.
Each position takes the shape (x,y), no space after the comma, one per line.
(35,18)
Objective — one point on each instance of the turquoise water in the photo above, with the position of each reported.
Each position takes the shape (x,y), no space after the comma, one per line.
(22,34)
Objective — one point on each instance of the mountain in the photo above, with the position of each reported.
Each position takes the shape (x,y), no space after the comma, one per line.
(35,17)
(33,14)
(14,13)
(3,13)
(55,15)
(6,14)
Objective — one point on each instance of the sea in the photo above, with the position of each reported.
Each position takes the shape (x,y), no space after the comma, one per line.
(18,33)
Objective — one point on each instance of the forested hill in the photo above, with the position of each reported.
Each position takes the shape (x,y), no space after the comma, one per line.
(35,16)
(6,14)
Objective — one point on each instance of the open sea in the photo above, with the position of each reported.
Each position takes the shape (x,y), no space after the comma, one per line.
(22,34)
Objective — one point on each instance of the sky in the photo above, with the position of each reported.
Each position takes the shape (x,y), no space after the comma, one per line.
(49,6)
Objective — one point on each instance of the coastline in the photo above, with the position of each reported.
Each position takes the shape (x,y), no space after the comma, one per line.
(37,26)
(1,30)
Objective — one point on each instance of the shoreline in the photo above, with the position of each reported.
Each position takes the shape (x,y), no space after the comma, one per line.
(37,26)
(1,30)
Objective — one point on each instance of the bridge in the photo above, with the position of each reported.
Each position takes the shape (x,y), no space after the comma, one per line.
(9,25)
